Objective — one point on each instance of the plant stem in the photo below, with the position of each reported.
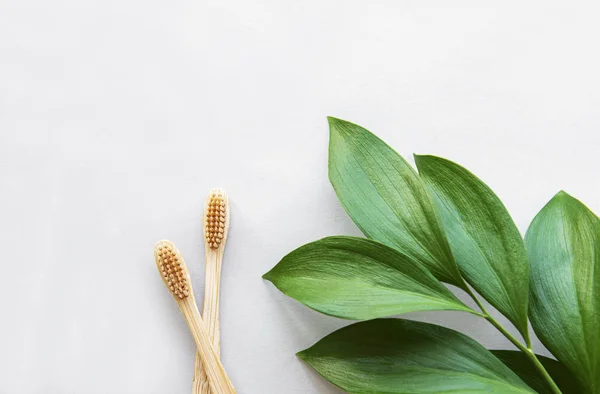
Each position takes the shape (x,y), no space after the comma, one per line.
(525,349)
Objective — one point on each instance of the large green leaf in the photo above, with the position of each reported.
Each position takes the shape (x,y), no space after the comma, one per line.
(563,243)
(485,242)
(522,366)
(356,278)
(386,199)
(403,356)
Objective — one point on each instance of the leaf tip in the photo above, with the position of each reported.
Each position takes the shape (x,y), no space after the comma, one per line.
(342,125)
(563,197)
(562,194)
(302,355)
(418,158)
(423,161)
(268,276)
(335,124)
(333,121)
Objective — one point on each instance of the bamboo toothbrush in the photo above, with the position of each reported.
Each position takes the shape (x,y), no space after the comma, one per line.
(176,277)
(216,225)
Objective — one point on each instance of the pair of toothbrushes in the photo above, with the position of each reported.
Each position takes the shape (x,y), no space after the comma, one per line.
(209,374)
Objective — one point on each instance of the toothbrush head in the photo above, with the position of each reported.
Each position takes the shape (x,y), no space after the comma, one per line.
(216,220)
(172,269)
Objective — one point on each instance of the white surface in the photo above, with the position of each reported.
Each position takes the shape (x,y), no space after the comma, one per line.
(116,118)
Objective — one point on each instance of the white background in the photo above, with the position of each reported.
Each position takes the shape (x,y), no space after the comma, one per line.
(117,117)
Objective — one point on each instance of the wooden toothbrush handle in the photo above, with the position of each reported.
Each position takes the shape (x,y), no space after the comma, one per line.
(210,315)
(217,376)
(200,384)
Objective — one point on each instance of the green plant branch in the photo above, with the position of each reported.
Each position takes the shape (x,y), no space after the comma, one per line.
(525,349)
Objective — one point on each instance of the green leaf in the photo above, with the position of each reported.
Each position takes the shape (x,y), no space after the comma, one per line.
(357,278)
(522,366)
(485,242)
(563,243)
(403,356)
(386,199)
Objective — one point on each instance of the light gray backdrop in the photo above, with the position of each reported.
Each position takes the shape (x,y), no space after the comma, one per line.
(116,118)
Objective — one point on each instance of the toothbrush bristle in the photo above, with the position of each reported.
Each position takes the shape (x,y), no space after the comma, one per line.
(172,268)
(216,212)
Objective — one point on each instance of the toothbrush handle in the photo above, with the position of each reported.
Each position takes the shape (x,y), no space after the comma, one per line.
(210,315)
(217,376)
